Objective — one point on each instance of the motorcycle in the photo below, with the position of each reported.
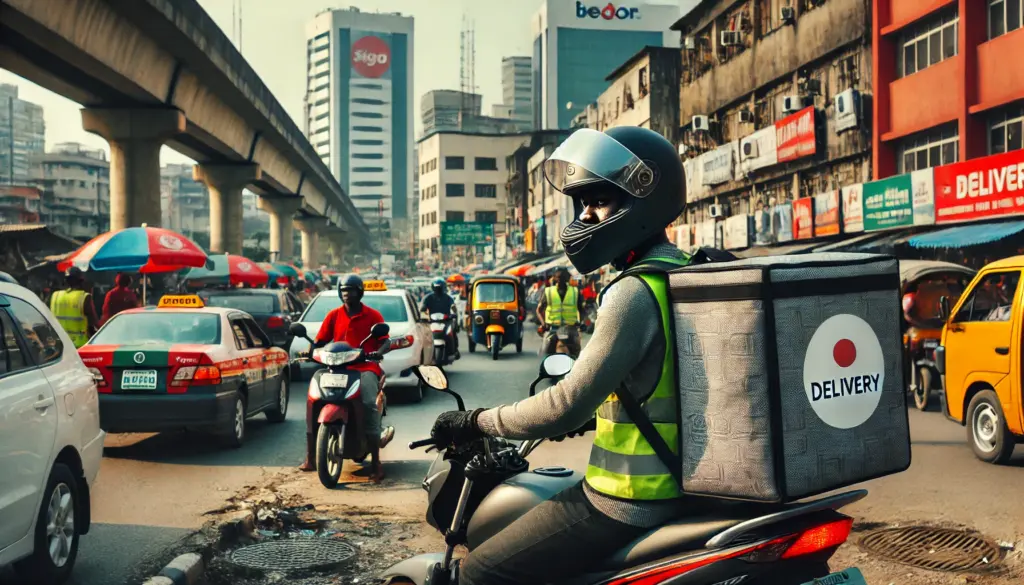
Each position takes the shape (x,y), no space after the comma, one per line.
(562,334)
(477,489)
(442,328)
(336,390)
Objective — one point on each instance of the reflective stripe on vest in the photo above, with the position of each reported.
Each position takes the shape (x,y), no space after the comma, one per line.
(622,463)
(68,306)
(561,311)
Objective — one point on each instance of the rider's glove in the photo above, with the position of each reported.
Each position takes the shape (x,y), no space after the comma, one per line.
(456,427)
(374,356)
(588,426)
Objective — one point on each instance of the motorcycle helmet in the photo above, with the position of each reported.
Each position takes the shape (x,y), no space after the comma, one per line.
(350,283)
(437,286)
(637,163)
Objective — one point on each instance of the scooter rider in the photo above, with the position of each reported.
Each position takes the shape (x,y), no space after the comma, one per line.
(351,323)
(561,304)
(439,301)
(626,186)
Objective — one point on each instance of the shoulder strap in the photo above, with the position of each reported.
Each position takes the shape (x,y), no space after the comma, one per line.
(646,428)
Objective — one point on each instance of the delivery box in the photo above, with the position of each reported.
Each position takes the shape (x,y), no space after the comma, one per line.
(790,374)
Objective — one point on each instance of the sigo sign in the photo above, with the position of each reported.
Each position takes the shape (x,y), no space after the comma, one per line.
(609,12)
(371,56)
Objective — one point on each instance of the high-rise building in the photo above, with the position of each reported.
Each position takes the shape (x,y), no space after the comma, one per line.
(75,184)
(574,43)
(440,109)
(360,108)
(22,135)
(516,90)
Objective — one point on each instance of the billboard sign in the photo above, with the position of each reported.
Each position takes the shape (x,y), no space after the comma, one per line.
(782,222)
(984,187)
(736,233)
(758,150)
(888,203)
(923,196)
(608,12)
(826,214)
(371,54)
(466,233)
(853,208)
(803,218)
(718,164)
(795,136)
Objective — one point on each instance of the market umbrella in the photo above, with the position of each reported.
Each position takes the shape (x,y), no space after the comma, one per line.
(521,270)
(289,270)
(456,278)
(273,272)
(310,276)
(229,269)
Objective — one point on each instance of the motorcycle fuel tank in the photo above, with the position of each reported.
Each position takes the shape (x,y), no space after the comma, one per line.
(514,498)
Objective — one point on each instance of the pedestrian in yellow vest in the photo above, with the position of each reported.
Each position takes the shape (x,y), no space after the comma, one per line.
(74,309)
(561,304)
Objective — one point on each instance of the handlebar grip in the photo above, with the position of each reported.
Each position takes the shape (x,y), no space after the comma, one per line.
(421,443)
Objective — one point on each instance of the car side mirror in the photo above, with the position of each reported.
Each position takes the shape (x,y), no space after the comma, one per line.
(297,330)
(380,330)
(556,365)
(944,308)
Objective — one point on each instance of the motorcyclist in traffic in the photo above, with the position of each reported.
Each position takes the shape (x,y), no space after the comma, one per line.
(439,301)
(561,304)
(351,323)
(626,186)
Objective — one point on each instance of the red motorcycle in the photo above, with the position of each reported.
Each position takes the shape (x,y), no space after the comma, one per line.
(337,402)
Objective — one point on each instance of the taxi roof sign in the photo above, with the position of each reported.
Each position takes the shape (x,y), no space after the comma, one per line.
(375,285)
(180,302)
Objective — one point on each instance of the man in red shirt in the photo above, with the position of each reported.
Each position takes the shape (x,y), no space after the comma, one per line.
(351,323)
(120,298)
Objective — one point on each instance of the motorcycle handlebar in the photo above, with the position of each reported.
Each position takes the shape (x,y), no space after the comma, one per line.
(421,443)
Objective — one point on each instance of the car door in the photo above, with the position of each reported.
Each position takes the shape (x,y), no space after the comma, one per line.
(251,358)
(420,330)
(261,342)
(28,429)
(979,336)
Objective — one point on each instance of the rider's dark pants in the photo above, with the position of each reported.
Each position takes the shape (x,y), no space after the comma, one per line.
(561,538)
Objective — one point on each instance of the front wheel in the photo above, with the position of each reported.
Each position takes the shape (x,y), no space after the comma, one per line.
(472,345)
(519,345)
(923,389)
(986,429)
(56,538)
(495,346)
(329,447)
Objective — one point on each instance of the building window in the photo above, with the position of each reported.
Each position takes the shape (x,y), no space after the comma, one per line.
(455,216)
(485,191)
(929,149)
(455,163)
(454,190)
(1004,16)
(482,163)
(487,216)
(929,43)
(1005,130)
(367,129)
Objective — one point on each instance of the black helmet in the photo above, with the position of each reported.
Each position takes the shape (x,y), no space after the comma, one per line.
(351,282)
(74,275)
(438,285)
(638,163)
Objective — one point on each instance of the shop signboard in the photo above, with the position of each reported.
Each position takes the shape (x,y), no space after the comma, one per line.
(758,151)
(795,137)
(704,237)
(683,237)
(465,233)
(826,214)
(888,203)
(696,190)
(984,187)
(923,196)
(736,233)
(719,164)
(853,208)
(803,218)
(782,222)
(763,225)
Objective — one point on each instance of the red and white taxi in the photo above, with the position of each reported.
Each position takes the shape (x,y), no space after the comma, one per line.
(182,365)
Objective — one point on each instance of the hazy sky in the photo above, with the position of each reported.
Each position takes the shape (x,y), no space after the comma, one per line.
(273,41)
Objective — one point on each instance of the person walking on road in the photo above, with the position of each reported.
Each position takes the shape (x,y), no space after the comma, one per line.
(120,298)
(561,304)
(74,309)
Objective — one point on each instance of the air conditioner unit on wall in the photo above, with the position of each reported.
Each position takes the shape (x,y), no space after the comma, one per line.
(701,123)
(787,14)
(748,150)
(716,211)
(730,38)
(792,103)
(746,117)
(847,109)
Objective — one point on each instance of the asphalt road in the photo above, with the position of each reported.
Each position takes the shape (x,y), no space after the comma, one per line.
(153,489)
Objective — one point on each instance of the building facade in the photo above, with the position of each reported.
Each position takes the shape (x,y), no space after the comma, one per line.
(186,202)
(19,204)
(462,179)
(774,136)
(517,91)
(75,184)
(530,202)
(573,45)
(22,135)
(360,107)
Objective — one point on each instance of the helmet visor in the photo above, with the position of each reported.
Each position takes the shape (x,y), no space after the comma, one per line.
(589,156)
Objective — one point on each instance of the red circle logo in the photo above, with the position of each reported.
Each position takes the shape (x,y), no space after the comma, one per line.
(844,352)
(371,56)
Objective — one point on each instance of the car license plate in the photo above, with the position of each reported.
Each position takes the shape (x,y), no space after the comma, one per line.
(334,381)
(851,576)
(931,344)
(138,380)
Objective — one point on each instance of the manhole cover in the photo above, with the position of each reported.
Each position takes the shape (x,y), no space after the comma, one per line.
(936,549)
(293,554)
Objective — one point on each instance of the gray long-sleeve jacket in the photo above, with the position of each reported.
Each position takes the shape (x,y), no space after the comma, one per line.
(626,348)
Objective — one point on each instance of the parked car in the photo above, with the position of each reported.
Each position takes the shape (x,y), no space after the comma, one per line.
(273,309)
(50,440)
(411,341)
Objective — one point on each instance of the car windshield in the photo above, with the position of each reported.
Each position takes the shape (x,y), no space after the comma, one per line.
(495,292)
(160,327)
(391,307)
(252,304)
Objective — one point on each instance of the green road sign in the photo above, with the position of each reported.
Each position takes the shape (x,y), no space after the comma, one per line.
(467,233)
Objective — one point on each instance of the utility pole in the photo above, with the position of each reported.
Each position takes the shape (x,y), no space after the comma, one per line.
(10,143)
(380,236)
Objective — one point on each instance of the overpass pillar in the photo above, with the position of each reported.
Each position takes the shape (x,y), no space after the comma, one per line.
(336,238)
(310,228)
(225,182)
(135,136)
(281,210)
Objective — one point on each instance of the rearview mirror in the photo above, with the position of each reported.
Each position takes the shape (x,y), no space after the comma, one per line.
(297,330)
(556,365)
(944,308)
(432,376)
(380,330)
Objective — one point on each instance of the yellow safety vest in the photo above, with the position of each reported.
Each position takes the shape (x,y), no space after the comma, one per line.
(561,311)
(69,308)
(622,463)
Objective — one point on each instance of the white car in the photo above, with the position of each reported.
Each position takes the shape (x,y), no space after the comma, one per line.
(411,340)
(50,440)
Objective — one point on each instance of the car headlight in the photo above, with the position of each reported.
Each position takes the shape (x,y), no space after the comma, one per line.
(511,319)
(331,358)
(479,319)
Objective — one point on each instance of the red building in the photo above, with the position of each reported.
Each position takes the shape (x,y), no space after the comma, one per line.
(948,82)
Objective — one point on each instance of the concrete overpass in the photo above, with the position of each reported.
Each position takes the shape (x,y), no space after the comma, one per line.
(156,72)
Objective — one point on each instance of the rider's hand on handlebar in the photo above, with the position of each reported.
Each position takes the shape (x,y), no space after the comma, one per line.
(456,427)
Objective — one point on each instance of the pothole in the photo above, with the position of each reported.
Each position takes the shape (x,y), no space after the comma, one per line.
(293,554)
(932,548)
